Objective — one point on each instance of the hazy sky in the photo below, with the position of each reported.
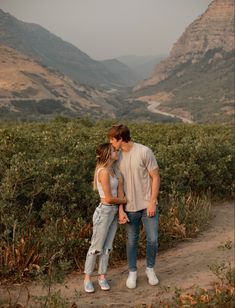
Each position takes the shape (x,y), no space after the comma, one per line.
(110,28)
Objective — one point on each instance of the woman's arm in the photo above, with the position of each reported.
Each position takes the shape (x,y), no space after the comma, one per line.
(121,213)
(103,177)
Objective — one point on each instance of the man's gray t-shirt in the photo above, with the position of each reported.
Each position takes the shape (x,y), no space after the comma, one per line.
(135,166)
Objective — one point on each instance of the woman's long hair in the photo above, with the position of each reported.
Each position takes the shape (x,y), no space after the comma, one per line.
(103,155)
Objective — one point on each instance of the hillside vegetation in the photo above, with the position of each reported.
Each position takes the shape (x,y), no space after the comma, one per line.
(46,196)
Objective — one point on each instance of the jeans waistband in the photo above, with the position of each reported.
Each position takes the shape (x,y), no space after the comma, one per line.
(109,205)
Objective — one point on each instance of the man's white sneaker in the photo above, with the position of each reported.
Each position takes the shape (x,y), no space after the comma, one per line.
(131,280)
(152,278)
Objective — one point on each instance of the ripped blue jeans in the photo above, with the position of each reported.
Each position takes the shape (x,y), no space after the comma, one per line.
(104,229)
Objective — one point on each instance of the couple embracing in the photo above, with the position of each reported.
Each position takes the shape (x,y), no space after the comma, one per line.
(127,179)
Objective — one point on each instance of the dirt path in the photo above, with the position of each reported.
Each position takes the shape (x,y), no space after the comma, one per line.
(185,266)
(153,107)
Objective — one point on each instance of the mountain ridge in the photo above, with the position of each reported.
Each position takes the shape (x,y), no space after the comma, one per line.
(39,43)
(198,76)
(196,41)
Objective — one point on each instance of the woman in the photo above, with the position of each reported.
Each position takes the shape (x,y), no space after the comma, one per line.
(110,187)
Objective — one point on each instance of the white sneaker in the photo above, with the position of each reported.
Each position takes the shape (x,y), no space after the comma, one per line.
(88,286)
(152,278)
(131,280)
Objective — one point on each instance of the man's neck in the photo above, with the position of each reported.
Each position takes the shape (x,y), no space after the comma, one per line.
(127,146)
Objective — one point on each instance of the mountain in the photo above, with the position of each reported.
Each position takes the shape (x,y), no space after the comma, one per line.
(141,65)
(30,90)
(123,74)
(197,78)
(36,42)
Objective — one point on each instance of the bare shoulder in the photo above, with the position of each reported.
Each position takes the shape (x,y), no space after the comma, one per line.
(103,172)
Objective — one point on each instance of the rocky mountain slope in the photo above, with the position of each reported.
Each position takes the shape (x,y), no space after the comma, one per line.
(36,42)
(30,90)
(198,76)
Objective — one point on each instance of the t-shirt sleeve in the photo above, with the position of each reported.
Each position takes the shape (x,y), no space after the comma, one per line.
(150,160)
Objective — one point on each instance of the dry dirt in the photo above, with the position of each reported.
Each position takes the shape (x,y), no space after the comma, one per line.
(185,266)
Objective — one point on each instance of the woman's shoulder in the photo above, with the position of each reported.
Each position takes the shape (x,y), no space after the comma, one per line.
(102,171)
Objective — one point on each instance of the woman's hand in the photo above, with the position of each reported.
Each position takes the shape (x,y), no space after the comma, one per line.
(122,217)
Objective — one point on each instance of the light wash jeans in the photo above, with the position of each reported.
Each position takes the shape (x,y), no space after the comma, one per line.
(151,230)
(104,229)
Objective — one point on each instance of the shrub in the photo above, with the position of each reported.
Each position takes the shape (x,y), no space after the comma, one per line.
(46,196)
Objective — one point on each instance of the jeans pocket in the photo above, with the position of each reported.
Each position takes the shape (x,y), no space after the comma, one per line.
(96,216)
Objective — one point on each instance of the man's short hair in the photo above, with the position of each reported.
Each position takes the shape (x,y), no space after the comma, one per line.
(118,132)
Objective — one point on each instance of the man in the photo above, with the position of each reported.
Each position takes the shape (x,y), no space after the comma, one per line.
(140,171)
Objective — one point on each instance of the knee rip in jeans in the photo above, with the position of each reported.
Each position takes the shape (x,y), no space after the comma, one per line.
(106,251)
(95,252)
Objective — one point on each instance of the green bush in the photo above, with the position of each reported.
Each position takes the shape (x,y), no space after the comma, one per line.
(46,196)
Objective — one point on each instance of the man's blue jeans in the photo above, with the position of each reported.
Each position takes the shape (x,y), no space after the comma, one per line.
(151,230)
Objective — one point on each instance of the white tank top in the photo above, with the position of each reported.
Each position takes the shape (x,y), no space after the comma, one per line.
(113,180)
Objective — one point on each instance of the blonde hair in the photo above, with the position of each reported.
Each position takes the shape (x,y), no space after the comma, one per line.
(103,154)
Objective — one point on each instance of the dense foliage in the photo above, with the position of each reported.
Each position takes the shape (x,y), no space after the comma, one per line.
(46,196)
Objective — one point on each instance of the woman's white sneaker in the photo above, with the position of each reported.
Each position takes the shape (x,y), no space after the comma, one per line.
(131,280)
(104,284)
(152,278)
(88,286)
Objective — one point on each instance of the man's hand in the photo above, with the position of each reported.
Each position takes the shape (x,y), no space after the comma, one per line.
(151,209)
(123,218)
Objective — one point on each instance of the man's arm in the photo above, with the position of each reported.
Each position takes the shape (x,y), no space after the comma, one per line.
(155,177)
